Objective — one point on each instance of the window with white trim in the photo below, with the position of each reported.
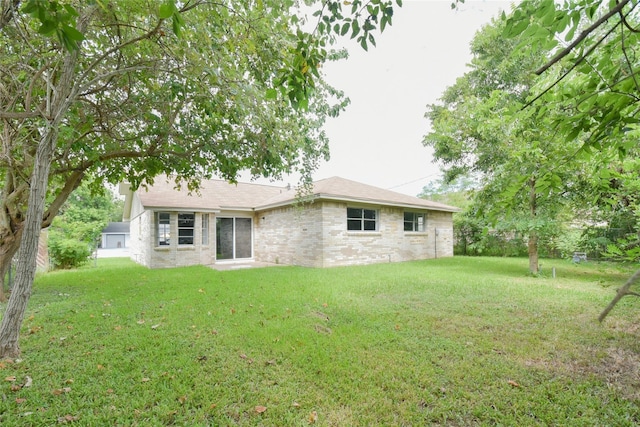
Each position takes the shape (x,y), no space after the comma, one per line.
(186,225)
(360,219)
(414,221)
(163,228)
(205,229)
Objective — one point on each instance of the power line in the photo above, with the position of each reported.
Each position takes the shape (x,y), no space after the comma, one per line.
(414,181)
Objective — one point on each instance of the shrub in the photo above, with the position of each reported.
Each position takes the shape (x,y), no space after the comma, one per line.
(67,253)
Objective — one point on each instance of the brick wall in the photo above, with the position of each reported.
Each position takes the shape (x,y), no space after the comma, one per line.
(289,235)
(317,236)
(313,236)
(145,251)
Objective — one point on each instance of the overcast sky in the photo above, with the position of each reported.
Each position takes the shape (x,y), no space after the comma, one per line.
(378,139)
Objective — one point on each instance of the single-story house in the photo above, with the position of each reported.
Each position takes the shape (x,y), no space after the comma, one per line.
(115,236)
(338,222)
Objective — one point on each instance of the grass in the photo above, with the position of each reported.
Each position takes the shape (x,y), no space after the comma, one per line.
(452,342)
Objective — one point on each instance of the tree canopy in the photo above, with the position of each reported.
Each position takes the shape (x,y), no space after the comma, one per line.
(125,91)
(592,76)
(518,118)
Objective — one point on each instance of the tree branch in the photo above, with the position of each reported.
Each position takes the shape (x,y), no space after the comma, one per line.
(624,290)
(624,51)
(573,67)
(583,35)
(19,115)
(9,8)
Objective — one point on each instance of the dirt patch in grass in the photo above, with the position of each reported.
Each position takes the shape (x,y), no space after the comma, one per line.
(618,368)
(621,370)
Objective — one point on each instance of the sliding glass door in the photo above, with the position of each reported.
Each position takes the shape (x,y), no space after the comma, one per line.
(233,238)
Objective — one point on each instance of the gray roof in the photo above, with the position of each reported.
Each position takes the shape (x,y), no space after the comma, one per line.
(213,195)
(117,228)
(337,188)
(217,195)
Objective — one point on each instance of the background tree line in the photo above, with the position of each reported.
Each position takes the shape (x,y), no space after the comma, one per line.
(546,125)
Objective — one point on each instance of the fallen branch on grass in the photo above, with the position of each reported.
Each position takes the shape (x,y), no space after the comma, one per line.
(623,291)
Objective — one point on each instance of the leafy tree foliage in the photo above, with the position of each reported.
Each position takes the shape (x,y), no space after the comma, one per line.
(457,193)
(540,156)
(74,233)
(479,128)
(593,79)
(124,91)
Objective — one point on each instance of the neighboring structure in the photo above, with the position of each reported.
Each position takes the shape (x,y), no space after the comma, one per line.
(115,236)
(341,222)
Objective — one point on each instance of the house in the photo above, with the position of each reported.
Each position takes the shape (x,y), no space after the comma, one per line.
(115,236)
(339,222)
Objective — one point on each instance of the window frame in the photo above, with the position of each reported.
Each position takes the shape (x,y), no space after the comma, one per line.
(414,221)
(163,234)
(364,218)
(204,228)
(234,248)
(183,230)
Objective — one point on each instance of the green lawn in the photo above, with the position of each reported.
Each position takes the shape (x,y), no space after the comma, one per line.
(454,342)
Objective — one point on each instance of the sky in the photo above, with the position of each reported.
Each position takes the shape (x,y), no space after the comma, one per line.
(378,139)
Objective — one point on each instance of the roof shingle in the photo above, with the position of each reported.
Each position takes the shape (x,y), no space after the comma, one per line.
(217,195)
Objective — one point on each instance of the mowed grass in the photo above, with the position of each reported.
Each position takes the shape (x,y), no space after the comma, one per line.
(452,342)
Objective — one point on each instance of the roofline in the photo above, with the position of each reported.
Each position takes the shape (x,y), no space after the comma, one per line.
(183,209)
(318,197)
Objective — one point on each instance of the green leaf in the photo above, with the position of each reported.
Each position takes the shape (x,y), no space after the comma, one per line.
(271,94)
(363,43)
(177,24)
(47,27)
(345,28)
(166,10)
(355,28)
(70,10)
(72,33)
(516,29)
(30,7)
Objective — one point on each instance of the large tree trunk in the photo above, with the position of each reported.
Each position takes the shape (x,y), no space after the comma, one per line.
(61,94)
(10,241)
(8,249)
(28,253)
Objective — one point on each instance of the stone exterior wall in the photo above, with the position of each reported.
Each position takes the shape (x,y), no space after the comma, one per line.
(312,236)
(145,251)
(440,244)
(289,235)
(317,236)
(389,243)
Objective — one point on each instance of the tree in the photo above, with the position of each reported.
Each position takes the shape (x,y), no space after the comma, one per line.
(480,128)
(595,74)
(456,193)
(75,231)
(125,91)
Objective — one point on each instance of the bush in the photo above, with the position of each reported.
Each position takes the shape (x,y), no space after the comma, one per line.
(68,253)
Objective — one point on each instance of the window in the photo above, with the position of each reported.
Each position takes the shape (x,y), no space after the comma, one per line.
(414,221)
(186,223)
(361,219)
(205,229)
(163,226)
